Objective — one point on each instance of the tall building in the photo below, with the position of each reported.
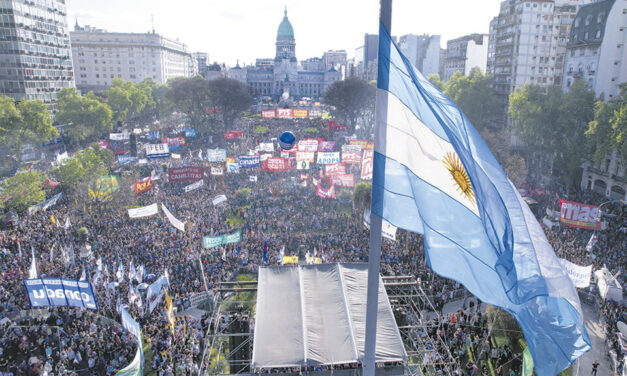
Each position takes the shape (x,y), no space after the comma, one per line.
(465,53)
(528,43)
(283,75)
(100,56)
(423,51)
(199,59)
(598,56)
(35,58)
(335,59)
(596,50)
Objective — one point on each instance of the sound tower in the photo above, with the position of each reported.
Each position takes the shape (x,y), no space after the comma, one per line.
(240,325)
(133,141)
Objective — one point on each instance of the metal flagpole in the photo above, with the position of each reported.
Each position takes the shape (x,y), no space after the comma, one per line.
(374,257)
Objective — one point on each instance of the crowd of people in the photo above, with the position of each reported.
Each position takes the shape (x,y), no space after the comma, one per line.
(280,211)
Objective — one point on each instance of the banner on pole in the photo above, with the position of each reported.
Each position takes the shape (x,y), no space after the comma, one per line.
(580,275)
(196,185)
(325,193)
(45,292)
(215,241)
(575,214)
(143,185)
(388,230)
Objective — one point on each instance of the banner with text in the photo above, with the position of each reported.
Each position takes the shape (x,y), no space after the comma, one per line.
(388,230)
(328,157)
(173,220)
(575,214)
(335,169)
(580,275)
(143,185)
(325,193)
(215,241)
(188,173)
(344,180)
(367,163)
(248,161)
(216,155)
(144,211)
(351,157)
(196,185)
(45,292)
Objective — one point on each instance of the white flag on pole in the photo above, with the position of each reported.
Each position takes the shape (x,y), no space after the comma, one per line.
(32,272)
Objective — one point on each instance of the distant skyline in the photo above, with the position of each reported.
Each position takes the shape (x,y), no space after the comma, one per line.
(244,30)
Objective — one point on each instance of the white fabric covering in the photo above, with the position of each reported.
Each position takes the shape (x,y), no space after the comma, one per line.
(311,315)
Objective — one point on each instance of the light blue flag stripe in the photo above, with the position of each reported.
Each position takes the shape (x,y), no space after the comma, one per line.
(484,237)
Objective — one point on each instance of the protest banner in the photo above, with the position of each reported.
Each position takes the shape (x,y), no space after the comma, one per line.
(328,157)
(232,168)
(196,185)
(188,173)
(217,170)
(335,169)
(144,211)
(216,155)
(326,146)
(215,241)
(219,199)
(388,230)
(277,164)
(268,114)
(45,292)
(575,214)
(266,146)
(143,185)
(351,148)
(308,156)
(157,151)
(290,260)
(325,193)
(248,161)
(174,143)
(367,164)
(343,180)
(580,275)
(351,157)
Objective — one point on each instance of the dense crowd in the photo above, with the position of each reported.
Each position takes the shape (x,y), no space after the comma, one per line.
(280,210)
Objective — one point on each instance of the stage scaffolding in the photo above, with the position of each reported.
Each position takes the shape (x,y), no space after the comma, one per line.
(229,340)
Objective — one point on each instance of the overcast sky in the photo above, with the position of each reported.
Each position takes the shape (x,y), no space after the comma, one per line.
(231,30)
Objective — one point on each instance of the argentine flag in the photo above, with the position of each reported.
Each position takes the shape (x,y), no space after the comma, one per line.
(433,174)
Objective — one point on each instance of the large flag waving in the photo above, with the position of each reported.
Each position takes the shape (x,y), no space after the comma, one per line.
(434,175)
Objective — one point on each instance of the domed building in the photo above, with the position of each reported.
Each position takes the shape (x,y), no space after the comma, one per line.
(283,76)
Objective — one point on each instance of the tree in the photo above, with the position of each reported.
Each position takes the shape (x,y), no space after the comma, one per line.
(192,96)
(608,129)
(553,123)
(163,106)
(84,167)
(90,118)
(353,100)
(362,195)
(22,190)
(231,97)
(475,96)
(28,122)
(434,78)
(127,99)
(503,324)
(513,164)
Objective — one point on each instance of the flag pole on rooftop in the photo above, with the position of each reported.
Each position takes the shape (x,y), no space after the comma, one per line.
(374,257)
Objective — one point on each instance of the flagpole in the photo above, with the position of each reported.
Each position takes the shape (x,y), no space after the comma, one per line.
(374,257)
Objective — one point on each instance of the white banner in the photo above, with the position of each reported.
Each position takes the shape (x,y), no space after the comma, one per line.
(219,199)
(266,146)
(119,136)
(264,157)
(388,230)
(173,220)
(302,164)
(580,275)
(217,170)
(306,155)
(196,185)
(252,178)
(308,145)
(328,157)
(144,211)
(175,156)
(351,148)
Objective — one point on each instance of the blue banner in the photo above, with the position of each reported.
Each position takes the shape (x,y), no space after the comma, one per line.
(122,159)
(248,161)
(45,292)
(154,135)
(190,132)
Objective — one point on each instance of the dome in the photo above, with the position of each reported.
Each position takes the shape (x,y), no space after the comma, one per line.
(285,29)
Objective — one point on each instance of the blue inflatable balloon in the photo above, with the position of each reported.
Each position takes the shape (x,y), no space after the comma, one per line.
(287,140)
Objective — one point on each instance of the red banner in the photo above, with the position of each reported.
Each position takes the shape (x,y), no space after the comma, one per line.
(284,113)
(143,185)
(325,193)
(277,164)
(268,114)
(367,164)
(188,173)
(351,157)
(344,180)
(232,135)
(335,169)
(174,141)
(575,214)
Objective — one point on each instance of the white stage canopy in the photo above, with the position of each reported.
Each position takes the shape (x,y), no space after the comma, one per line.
(310,315)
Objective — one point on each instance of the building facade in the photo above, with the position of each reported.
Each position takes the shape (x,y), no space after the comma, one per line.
(283,76)
(423,51)
(35,55)
(596,50)
(100,56)
(527,43)
(465,53)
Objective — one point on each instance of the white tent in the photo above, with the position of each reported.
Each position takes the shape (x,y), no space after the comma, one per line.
(310,315)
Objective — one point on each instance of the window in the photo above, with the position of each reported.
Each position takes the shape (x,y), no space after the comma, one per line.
(97,75)
(588,19)
(598,34)
(600,17)
(577,20)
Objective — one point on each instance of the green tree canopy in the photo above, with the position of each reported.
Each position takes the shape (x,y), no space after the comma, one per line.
(230,97)
(608,129)
(353,101)
(435,79)
(555,123)
(85,166)
(192,96)
(22,190)
(163,106)
(127,99)
(475,96)
(90,118)
(362,195)
(28,122)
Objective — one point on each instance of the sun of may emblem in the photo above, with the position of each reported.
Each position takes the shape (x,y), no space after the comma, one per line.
(459,175)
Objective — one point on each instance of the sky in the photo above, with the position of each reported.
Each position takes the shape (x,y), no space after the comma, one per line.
(242,30)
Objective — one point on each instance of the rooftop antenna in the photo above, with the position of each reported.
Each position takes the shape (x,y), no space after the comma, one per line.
(152,22)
